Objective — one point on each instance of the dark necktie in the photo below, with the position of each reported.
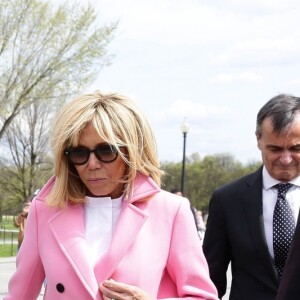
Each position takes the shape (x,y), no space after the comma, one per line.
(283,227)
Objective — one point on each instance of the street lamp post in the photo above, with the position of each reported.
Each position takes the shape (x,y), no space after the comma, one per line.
(184,129)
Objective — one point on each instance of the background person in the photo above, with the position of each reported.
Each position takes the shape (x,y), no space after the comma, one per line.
(193,208)
(242,214)
(201,225)
(102,227)
(20,222)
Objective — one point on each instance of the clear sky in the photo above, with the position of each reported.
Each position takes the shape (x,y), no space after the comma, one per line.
(214,62)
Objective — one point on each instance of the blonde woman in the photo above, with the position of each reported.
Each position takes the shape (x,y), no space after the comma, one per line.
(102,228)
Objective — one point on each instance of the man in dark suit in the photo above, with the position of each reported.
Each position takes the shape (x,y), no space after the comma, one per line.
(240,223)
(289,288)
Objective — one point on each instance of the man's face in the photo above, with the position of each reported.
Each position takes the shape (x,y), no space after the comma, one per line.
(281,153)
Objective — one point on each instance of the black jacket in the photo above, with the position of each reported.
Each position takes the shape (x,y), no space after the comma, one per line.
(289,288)
(235,234)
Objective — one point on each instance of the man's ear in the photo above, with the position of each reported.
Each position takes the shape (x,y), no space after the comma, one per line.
(258,142)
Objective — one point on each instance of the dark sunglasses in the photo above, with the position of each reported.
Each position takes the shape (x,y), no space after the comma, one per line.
(80,155)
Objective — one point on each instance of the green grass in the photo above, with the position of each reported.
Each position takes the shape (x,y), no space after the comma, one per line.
(8,235)
(8,239)
(8,222)
(8,250)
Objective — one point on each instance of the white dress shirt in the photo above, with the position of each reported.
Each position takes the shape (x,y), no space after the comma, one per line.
(269,201)
(100,218)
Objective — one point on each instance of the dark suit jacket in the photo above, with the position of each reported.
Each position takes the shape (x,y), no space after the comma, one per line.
(235,233)
(289,288)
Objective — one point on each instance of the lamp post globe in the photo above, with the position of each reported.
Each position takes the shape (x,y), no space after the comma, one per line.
(185,127)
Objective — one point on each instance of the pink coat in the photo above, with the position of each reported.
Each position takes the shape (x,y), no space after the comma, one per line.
(155,246)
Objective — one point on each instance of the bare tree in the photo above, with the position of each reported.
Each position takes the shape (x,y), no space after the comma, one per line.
(27,139)
(47,53)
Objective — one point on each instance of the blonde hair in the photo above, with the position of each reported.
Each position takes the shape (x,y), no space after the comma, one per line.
(118,122)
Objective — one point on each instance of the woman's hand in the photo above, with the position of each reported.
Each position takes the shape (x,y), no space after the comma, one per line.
(113,290)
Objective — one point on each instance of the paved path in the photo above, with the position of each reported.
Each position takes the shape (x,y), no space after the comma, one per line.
(226,297)
(7,267)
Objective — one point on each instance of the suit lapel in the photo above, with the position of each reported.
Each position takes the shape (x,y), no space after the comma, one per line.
(130,222)
(254,210)
(68,229)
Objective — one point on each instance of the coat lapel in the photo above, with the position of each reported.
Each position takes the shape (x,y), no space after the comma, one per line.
(254,211)
(68,229)
(130,222)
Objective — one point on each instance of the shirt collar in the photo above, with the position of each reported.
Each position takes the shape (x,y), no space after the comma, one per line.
(269,182)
